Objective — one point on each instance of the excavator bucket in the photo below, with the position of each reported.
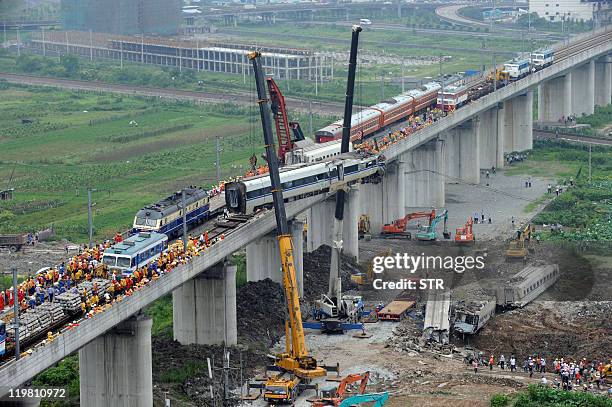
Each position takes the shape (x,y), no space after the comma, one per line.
(446,235)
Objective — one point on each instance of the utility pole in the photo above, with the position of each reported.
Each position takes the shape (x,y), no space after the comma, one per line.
(382,87)
(43,41)
(218,160)
(310,117)
(16,312)
(590,162)
(89,216)
(18,43)
(184,208)
(403,88)
(494,74)
(90,45)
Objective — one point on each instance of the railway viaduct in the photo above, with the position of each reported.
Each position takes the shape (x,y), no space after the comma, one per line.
(115,346)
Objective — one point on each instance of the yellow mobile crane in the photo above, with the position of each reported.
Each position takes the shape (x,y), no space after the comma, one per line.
(295,364)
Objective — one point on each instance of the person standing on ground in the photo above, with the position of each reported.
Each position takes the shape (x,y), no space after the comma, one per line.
(549,188)
(491,362)
(482,216)
(543,365)
(530,366)
(475,365)
(512,220)
(475,217)
(512,363)
(502,362)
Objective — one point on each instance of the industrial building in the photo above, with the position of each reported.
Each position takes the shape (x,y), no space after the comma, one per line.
(160,17)
(285,63)
(577,10)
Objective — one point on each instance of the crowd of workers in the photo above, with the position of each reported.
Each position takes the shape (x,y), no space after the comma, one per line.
(572,374)
(415,123)
(48,283)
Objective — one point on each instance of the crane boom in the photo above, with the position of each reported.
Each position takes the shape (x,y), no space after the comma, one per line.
(334,272)
(284,127)
(297,360)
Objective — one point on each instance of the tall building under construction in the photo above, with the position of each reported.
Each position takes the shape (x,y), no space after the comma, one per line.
(153,17)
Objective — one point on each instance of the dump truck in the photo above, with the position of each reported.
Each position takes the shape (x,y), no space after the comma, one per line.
(14,241)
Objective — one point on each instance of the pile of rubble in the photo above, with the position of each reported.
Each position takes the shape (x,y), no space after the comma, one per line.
(260,309)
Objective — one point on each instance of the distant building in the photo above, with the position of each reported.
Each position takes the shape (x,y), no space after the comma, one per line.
(557,10)
(158,17)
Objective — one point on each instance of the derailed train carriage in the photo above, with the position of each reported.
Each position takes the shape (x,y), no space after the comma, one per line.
(298,181)
(526,285)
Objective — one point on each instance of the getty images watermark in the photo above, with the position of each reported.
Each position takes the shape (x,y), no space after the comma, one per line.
(412,264)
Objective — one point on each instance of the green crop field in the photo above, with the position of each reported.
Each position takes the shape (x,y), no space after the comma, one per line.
(131,150)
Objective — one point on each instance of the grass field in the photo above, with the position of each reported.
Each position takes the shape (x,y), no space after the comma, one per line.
(131,150)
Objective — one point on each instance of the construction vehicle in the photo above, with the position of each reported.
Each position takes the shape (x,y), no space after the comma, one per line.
(295,367)
(517,248)
(366,278)
(284,127)
(363,227)
(341,392)
(465,234)
(397,228)
(14,242)
(379,400)
(428,233)
(334,293)
(501,76)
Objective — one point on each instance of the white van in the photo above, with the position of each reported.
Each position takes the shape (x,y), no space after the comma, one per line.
(365,21)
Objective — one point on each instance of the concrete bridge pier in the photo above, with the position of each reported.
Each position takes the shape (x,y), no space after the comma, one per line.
(462,151)
(583,89)
(491,142)
(204,308)
(425,170)
(603,81)
(394,190)
(518,123)
(321,223)
(263,257)
(555,98)
(115,368)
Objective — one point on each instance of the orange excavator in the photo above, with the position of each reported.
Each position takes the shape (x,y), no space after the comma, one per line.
(397,228)
(465,235)
(341,392)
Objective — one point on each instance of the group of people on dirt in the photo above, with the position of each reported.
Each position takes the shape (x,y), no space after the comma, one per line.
(572,374)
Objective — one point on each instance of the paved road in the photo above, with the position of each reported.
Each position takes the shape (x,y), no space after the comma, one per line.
(242,98)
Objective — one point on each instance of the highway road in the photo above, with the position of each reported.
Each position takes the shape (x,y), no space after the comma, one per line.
(239,98)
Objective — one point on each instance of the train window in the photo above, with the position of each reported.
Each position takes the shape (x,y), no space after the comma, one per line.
(350,169)
(3,329)
(321,177)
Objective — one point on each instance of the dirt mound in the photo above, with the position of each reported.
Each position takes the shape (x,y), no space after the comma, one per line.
(316,273)
(550,330)
(184,369)
(260,307)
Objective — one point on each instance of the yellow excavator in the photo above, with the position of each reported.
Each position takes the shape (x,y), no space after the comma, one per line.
(295,367)
(517,248)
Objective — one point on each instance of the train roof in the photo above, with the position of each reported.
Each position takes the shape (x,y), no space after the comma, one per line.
(171,203)
(517,62)
(530,273)
(136,243)
(473,307)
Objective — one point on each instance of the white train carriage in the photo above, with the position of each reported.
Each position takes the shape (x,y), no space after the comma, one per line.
(526,285)
(542,59)
(517,69)
(425,96)
(315,152)
(471,316)
(248,195)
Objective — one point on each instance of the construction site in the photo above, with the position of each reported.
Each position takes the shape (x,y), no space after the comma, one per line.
(410,253)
